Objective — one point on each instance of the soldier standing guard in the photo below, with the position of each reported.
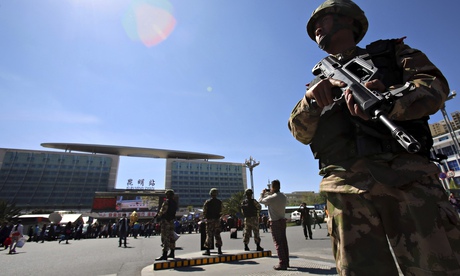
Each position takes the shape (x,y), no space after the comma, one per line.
(167,215)
(212,211)
(250,208)
(378,194)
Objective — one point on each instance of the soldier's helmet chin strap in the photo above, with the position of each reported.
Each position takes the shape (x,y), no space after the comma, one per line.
(324,43)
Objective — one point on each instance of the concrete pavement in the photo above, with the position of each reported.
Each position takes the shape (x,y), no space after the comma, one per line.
(103,257)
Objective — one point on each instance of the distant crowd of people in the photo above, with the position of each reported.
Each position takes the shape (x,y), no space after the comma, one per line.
(40,233)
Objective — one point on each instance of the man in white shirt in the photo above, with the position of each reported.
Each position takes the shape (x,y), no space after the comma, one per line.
(276,203)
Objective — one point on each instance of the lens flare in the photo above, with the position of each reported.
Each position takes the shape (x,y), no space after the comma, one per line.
(149,21)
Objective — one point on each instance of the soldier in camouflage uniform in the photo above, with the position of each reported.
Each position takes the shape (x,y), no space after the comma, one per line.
(250,209)
(167,215)
(212,211)
(377,193)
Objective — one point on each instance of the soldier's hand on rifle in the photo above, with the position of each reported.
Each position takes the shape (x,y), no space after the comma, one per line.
(322,92)
(375,85)
(354,108)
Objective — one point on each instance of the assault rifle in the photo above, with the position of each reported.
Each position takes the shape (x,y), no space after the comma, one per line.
(355,74)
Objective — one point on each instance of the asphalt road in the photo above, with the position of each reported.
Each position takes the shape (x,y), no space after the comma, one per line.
(104,257)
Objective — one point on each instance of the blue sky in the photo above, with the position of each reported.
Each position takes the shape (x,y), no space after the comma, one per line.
(223,78)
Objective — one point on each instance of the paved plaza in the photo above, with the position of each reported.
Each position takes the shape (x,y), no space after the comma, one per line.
(103,257)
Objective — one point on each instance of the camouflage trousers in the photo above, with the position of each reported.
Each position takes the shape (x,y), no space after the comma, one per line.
(251,225)
(213,229)
(417,221)
(167,235)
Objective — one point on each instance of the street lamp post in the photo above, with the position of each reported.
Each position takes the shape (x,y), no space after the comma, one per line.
(251,164)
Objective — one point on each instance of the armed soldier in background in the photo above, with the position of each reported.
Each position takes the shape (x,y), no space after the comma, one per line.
(374,186)
(212,211)
(167,215)
(250,209)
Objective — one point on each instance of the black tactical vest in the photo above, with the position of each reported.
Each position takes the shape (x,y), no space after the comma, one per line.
(249,209)
(213,210)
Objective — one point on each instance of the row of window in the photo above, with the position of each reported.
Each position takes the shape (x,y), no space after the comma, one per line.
(205,173)
(28,156)
(37,197)
(206,184)
(207,166)
(449,151)
(7,166)
(198,192)
(197,178)
(46,173)
(48,187)
(44,180)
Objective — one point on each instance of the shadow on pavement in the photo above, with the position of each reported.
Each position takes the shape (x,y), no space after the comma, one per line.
(188,269)
(316,271)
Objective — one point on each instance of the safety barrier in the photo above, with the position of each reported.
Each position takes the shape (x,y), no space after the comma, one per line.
(205,260)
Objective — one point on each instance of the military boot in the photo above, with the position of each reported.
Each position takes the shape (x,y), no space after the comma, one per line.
(219,250)
(163,257)
(207,252)
(259,248)
(246,248)
(171,254)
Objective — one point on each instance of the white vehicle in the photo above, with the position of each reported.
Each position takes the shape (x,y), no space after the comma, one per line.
(295,216)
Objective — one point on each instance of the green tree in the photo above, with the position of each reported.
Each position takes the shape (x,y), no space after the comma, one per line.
(232,206)
(310,199)
(8,211)
(322,197)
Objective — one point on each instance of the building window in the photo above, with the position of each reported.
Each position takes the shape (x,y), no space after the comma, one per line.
(442,138)
(449,150)
(453,165)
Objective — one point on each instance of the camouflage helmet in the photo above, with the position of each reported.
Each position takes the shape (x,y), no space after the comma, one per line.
(248,191)
(213,191)
(341,7)
(169,191)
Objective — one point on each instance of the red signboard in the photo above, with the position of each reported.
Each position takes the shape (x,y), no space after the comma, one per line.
(104,204)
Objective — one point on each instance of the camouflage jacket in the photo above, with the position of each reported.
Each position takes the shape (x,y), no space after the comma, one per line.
(428,97)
